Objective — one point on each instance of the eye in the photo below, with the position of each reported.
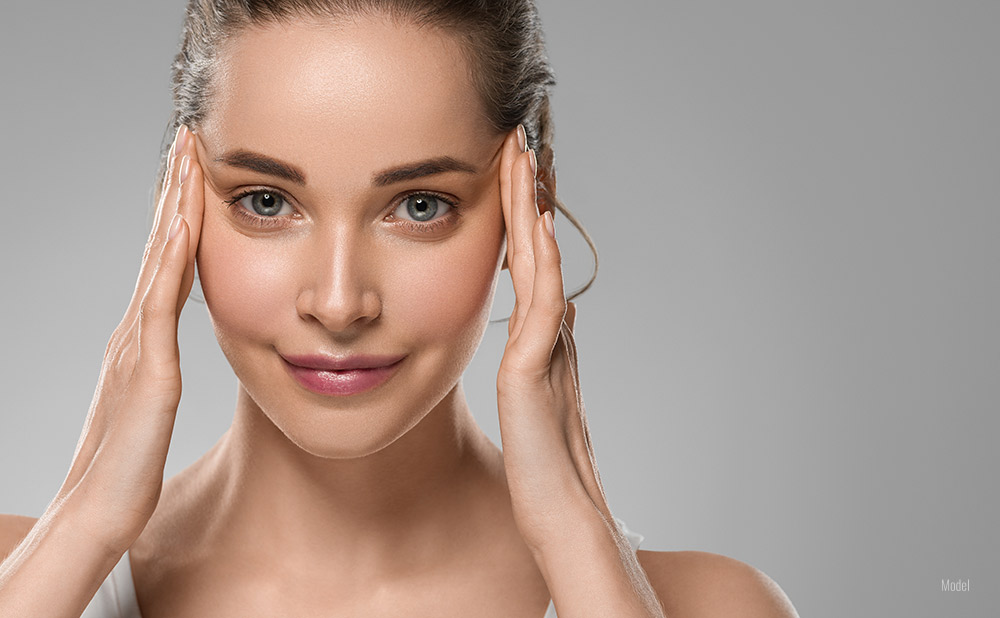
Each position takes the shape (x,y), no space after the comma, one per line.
(265,204)
(421,207)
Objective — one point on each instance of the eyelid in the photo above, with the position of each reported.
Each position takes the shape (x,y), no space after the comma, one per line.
(242,193)
(449,217)
(248,217)
(429,229)
(450,201)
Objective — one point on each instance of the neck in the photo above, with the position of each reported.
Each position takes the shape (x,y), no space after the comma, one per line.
(443,477)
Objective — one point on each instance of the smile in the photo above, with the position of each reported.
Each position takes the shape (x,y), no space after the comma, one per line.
(343,381)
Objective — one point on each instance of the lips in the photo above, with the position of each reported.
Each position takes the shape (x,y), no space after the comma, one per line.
(348,375)
(342,363)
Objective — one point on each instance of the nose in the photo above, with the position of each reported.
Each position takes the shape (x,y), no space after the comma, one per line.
(340,289)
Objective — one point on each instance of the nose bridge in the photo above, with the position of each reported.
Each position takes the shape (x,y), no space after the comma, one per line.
(342,281)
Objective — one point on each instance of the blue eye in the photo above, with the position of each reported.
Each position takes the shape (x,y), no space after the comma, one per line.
(263,203)
(421,207)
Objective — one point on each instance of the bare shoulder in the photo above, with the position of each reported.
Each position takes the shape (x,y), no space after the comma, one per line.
(696,584)
(13,529)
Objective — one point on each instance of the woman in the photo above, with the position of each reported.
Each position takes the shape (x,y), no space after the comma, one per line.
(350,179)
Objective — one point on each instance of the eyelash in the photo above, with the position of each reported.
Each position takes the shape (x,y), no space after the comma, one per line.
(274,221)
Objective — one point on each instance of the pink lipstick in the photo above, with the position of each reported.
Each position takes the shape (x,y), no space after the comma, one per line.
(345,375)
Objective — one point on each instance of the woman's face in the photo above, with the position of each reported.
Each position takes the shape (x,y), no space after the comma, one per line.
(375,225)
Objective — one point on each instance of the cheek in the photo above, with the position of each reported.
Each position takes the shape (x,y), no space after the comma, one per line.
(437,295)
(446,291)
(245,284)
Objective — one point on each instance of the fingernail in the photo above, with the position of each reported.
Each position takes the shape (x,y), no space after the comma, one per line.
(175,226)
(185,168)
(533,161)
(522,138)
(182,137)
(549,224)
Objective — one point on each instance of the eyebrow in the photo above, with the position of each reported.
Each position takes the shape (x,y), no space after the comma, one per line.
(264,164)
(437,165)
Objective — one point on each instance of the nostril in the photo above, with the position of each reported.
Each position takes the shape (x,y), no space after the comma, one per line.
(339,309)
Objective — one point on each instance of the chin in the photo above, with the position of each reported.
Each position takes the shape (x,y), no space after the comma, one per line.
(438,327)
(327,441)
(354,426)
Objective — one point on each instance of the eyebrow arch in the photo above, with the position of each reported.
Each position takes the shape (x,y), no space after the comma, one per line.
(265,165)
(273,167)
(429,167)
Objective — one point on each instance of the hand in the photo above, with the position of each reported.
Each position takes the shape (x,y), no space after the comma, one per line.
(116,476)
(549,461)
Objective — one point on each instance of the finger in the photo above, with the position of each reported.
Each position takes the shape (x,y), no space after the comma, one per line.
(169,182)
(511,149)
(524,213)
(171,158)
(165,209)
(158,309)
(544,317)
(191,205)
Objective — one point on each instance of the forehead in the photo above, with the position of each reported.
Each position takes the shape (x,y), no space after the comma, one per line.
(312,92)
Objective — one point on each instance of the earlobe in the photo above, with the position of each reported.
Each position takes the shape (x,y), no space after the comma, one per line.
(547,179)
(543,205)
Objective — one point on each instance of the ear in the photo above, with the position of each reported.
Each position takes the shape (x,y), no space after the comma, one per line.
(547,178)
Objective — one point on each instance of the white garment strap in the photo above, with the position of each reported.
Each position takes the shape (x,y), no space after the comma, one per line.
(116,596)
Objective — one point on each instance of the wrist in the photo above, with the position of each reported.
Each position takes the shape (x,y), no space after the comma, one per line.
(591,570)
(84,520)
(58,567)
(578,526)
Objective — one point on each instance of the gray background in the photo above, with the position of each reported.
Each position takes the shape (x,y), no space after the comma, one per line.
(791,353)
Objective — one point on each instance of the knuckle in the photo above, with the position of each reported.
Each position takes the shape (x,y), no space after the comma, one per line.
(517,370)
(551,303)
(117,341)
(113,343)
(556,303)
(148,311)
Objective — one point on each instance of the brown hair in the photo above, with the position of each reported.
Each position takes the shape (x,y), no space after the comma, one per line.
(503,38)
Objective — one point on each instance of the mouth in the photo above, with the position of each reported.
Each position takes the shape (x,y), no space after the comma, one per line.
(341,376)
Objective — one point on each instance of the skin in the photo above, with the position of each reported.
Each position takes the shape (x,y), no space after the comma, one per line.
(377,504)
(358,486)
(362,485)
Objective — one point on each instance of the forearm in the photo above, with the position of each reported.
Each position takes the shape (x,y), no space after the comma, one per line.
(592,572)
(57,569)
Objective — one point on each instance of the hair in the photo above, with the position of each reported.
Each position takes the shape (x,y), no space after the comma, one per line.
(502,39)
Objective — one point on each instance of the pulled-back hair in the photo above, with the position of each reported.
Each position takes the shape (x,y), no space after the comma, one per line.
(503,41)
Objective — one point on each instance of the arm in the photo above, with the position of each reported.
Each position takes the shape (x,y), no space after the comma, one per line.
(116,475)
(556,495)
(591,570)
(587,578)
(55,548)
